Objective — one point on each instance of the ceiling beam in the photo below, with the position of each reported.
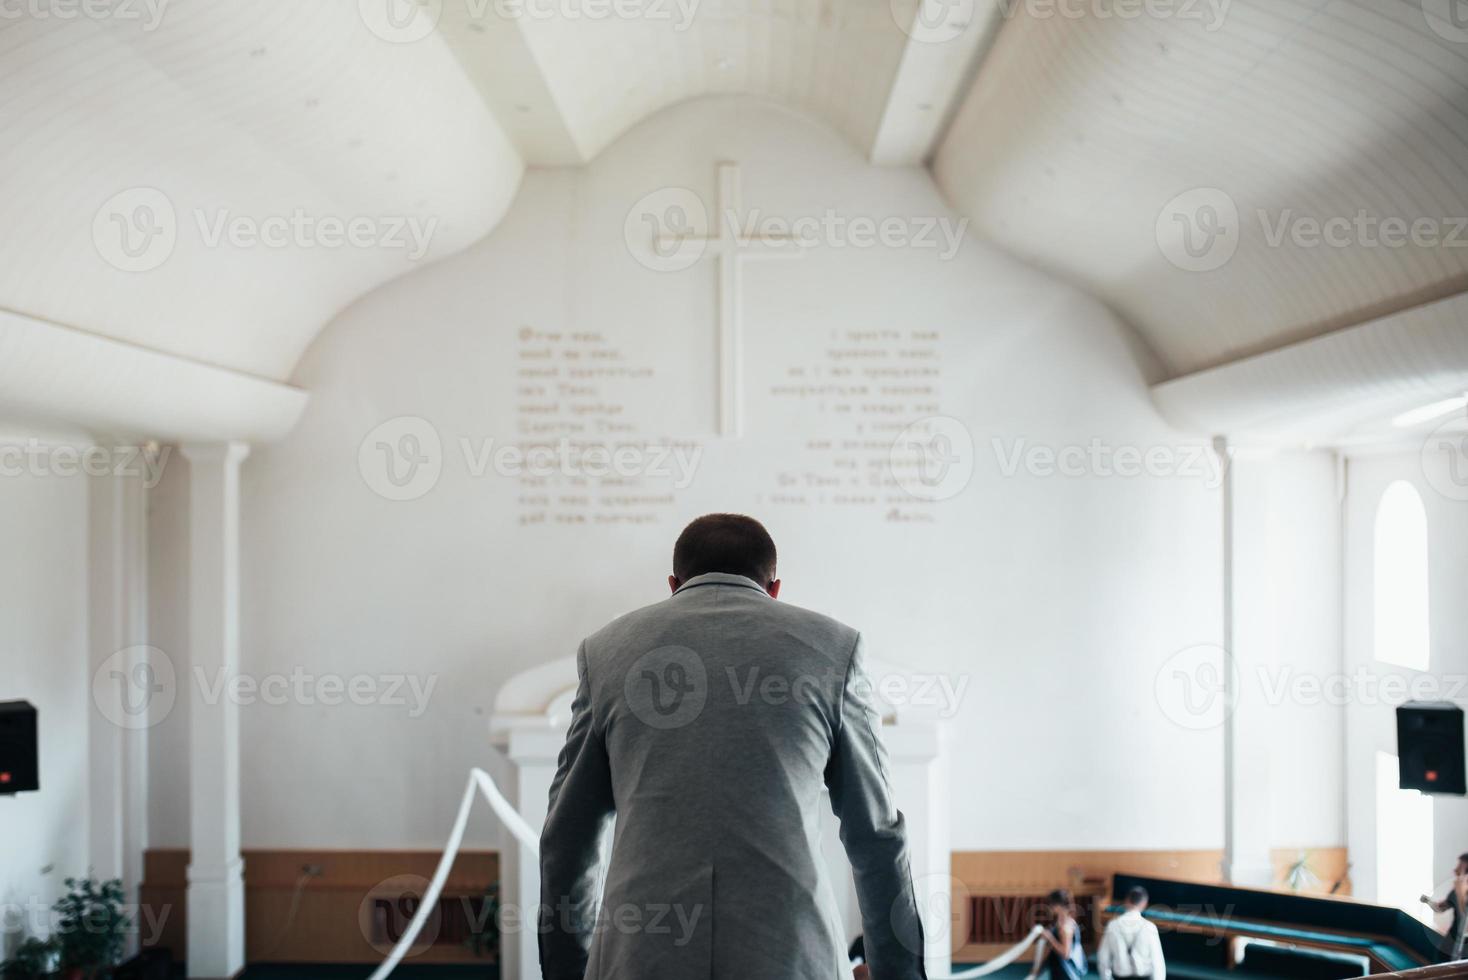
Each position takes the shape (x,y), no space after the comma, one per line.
(497,57)
(1338,389)
(59,374)
(946,42)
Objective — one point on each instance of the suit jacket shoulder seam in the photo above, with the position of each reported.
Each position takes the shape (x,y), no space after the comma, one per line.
(846,683)
(583,668)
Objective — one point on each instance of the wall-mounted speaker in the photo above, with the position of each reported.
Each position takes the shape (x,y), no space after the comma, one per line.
(20,769)
(1430,747)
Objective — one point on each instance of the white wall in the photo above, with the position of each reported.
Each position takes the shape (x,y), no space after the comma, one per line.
(1056,598)
(43,659)
(1287,647)
(1371,719)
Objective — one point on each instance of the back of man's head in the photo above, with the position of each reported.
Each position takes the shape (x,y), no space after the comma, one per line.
(1137,897)
(730,543)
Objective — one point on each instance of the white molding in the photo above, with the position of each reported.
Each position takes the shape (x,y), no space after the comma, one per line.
(1337,389)
(230,453)
(62,374)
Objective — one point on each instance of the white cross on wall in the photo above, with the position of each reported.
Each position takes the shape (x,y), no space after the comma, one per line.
(731,248)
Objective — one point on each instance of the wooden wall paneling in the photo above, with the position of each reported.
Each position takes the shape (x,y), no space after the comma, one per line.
(995,892)
(334,921)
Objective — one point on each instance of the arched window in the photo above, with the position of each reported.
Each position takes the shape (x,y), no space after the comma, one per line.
(1400,579)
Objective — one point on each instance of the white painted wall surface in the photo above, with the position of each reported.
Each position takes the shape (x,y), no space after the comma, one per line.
(43,659)
(1287,648)
(1371,718)
(1056,598)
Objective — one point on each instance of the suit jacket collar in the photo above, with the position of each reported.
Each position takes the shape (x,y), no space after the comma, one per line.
(721,578)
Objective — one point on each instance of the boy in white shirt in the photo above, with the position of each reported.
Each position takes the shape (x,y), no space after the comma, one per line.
(1131,948)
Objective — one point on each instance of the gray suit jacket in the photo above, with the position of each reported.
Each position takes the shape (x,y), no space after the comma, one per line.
(707,724)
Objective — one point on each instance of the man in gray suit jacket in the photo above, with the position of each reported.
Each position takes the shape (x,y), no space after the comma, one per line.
(708,724)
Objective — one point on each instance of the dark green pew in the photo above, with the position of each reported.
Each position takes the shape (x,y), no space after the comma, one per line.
(1387,936)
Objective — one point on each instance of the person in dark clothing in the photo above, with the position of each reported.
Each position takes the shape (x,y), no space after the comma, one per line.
(1456,901)
(1058,950)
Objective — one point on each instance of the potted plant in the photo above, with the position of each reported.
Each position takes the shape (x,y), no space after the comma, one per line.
(1300,875)
(484,924)
(91,928)
(32,959)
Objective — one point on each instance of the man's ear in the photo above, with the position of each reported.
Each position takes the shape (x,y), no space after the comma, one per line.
(773,589)
(673,583)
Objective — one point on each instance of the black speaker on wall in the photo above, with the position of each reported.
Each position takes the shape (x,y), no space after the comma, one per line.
(20,769)
(1430,747)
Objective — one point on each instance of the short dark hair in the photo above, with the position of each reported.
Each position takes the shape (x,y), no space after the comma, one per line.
(730,543)
(1061,897)
(1136,895)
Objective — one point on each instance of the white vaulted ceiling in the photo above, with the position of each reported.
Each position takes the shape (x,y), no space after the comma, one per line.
(598,76)
(1064,138)
(567,77)
(251,110)
(1078,133)
(202,111)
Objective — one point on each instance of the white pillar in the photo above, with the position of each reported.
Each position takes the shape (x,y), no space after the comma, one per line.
(216,895)
(1249,642)
(920,782)
(121,685)
(533,753)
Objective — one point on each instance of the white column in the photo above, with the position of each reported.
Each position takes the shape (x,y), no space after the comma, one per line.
(1249,640)
(920,782)
(121,686)
(216,895)
(534,754)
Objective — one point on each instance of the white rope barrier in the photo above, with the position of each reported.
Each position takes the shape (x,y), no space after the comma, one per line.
(1001,961)
(530,840)
(511,817)
(478,779)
